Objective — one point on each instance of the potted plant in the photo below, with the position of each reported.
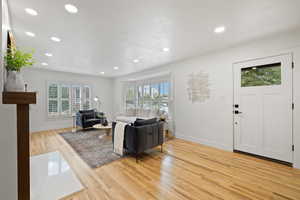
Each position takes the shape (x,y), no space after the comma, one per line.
(15,60)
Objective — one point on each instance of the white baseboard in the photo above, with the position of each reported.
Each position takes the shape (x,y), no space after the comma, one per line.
(210,143)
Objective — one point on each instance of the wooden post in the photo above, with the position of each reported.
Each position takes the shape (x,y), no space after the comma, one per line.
(22,100)
(23,151)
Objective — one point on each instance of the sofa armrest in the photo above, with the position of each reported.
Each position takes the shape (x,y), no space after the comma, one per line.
(149,136)
(99,115)
(129,137)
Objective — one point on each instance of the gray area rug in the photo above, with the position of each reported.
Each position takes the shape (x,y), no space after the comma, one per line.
(93,150)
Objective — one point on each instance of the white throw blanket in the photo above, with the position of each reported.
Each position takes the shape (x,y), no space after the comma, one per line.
(119,137)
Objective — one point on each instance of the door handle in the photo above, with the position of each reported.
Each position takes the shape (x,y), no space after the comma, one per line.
(237,112)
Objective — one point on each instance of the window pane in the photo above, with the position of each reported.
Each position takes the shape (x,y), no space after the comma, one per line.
(130,95)
(76,99)
(86,105)
(146,97)
(164,107)
(75,107)
(65,92)
(53,106)
(85,98)
(154,90)
(166,88)
(86,92)
(53,91)
(147,105)
(65,106)
(140,96)
(261,75)
(130,98)
(146,90)
(76,92)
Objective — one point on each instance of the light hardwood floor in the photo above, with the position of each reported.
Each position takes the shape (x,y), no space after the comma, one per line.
(184,171)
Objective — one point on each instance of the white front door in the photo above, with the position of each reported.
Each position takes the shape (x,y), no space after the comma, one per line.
(263,114)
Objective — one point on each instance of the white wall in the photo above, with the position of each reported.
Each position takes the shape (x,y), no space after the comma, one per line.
(37,81)
(8,132)
(211,122)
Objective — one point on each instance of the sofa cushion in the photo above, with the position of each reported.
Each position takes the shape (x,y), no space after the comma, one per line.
(93,120)
(90,115)
(99,114)
(86,111)
(143,122)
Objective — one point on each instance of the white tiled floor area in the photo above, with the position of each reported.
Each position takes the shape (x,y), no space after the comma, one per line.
(51,177)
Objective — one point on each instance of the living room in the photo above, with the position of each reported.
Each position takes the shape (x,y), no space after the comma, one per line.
(219,79)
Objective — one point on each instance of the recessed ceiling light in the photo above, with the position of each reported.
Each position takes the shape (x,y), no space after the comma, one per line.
(71,8)
(48,54)
(116,68)
(55,39)
(30,34)
(102,72)
(30,11)
(136,60)
(44,64)
(220,29)
(166,49)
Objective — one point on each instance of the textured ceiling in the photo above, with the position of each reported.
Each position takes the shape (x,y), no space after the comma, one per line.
(109,33)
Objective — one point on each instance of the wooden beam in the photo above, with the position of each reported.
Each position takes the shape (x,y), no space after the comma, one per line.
(19,98)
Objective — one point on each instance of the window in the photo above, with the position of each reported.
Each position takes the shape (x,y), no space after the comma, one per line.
(86,100)
(53,99)
(261,75)
(76,99)
(130,98)
(146,97)
(164,93)
(65,99)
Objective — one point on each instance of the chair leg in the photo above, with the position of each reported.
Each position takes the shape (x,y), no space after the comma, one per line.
(136,158)
(161,148)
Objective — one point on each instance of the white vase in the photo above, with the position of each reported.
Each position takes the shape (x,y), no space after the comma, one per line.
(14,82)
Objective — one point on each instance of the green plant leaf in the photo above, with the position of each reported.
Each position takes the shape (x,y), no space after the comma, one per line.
(16,59)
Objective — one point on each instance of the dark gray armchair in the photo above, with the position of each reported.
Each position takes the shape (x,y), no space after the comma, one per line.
(89,118)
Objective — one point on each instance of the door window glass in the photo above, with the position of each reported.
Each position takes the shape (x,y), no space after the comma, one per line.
(261,75)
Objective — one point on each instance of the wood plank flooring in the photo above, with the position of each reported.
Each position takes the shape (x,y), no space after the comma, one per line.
(184,171)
